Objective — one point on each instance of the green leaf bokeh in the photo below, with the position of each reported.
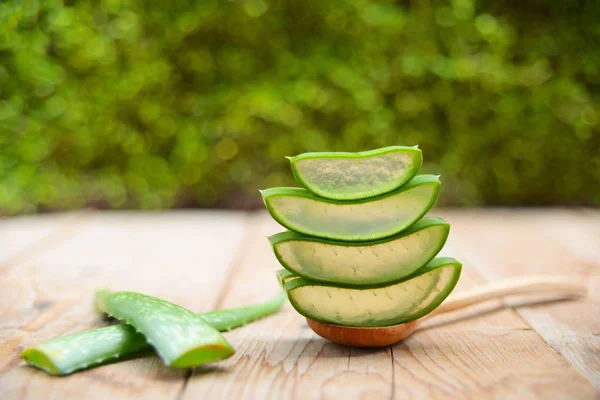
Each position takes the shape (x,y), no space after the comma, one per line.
(159,104)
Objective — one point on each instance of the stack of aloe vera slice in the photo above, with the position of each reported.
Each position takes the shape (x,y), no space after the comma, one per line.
(358,250)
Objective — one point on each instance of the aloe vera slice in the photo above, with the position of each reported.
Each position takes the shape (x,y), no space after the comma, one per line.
(284,276)
(376,306)
(181,338)
(351,176)
(363,263)
(67,354)
(359,220)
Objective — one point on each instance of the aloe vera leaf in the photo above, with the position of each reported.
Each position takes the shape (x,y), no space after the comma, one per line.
(67,354)
(284,276)
(181,338)
(361,263)
(225,320)
(391,304)
(358,220)
(351,176)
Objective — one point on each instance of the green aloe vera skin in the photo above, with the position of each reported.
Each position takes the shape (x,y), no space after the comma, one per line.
(181,338)
(361,263)
(284,276)
(359,220)
(226,320)
(67,354)
(353,176)
(376,306)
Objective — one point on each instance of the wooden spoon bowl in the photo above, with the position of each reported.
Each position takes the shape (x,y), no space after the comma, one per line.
(389,335)
(363,337)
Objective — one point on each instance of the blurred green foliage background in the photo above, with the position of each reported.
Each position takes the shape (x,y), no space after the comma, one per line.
(158,104)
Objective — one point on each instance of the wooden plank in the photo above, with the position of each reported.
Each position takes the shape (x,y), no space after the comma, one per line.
(483,352)
(280,357)
(494,355)
(183,257)
(564,242)
(25,237)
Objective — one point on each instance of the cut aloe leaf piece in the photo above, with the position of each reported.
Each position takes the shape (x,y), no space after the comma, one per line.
(181,338)
(67,354)
(361,263)
(284,276)
(359,220)
(376,306)
(351,176)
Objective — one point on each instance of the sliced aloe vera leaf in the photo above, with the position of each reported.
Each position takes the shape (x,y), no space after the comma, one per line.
(361,263)
(284,276)
(376,306)
(181,338)
(359,220)
(67,354)
(351,176)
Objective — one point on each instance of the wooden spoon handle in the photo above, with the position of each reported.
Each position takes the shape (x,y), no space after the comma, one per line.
(558,285)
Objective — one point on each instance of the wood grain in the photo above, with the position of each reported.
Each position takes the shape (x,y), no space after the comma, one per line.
(29,236)
(157,254)
(207,260)
(563,242)
(280,357)
(493,355)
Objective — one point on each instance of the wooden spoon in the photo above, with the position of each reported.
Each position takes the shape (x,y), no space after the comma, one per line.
(388,335)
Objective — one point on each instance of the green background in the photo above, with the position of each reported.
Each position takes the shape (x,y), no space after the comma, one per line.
(159,104)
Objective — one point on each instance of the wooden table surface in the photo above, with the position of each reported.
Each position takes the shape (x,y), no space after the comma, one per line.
(50,266)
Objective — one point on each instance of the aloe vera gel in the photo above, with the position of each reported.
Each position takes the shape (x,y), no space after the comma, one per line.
(380,305)
(354,220)
(359,250)
(351,176)
(361,263)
